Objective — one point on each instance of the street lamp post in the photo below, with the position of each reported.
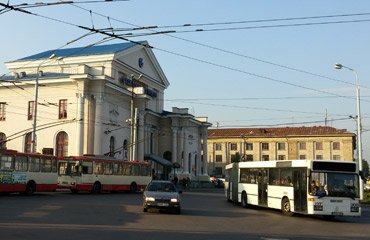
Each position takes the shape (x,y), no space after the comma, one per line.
(359,138)
(35,103)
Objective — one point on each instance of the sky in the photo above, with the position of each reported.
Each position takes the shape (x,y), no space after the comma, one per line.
(255,64)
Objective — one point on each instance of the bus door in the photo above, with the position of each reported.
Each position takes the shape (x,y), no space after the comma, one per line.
(234,180)
(300,189)
(262,187)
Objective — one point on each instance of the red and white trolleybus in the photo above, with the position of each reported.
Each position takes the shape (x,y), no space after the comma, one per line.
(99,173)
(27,172)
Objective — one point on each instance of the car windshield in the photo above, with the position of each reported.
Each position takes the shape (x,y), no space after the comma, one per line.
(334,184)
(161,187)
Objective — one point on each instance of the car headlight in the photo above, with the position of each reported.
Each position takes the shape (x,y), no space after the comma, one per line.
(149,199)
(174,200)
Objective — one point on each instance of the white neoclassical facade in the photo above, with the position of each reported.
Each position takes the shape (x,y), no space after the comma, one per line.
(101,100)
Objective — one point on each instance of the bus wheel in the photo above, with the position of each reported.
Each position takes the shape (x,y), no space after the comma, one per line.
(96,188)
(133,187)
(30,188)
(285,207)
(244,200)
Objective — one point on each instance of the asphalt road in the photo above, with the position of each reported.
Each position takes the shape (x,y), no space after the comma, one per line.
(205,215)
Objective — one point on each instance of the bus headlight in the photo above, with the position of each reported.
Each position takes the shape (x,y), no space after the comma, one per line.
(318,206)
(355,207)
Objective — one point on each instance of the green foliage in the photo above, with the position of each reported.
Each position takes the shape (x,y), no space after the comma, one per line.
(236,157)
(365,169)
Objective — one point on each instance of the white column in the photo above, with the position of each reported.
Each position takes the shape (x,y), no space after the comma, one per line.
(205,152)
(98,133)
(80,124)
(186,153)
(174,145)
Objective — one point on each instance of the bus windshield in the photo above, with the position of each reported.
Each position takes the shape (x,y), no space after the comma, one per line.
(334,184)
(69,168)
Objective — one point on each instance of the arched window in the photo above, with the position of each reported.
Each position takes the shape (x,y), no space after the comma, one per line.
(28,143)
(62,144)
(125,149)
(2,141)
(111,147)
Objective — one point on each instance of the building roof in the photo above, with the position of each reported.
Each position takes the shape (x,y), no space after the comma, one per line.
(276,132)
(82,51)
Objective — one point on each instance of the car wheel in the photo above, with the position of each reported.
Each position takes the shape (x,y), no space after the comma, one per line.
(178,210)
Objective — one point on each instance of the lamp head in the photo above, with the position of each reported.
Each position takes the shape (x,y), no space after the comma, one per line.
(338,66)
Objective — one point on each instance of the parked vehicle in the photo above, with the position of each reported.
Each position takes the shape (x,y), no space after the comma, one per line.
(163,195)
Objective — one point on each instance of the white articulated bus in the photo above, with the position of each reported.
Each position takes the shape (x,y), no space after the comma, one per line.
(315,187)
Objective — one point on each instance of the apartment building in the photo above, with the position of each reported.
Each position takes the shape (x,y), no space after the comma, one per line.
(287,143)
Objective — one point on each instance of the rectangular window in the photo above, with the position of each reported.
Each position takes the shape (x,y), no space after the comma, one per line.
(336,157)
(265,157)
(302,146)
(31,105)
(281,146)
(2,111)
(318,157)
(265,146)
(63,109)
(249,146)
(302,157)
(218,158)
(336,145)
(218,146)
(233,146)
(34,164)
(249,157)
(318,145)
(281,157)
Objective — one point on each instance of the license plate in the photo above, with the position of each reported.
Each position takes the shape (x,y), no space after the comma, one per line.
(337,213)
(163,204)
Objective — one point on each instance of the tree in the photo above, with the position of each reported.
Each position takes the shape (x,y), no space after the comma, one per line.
(236,157)
(365,169)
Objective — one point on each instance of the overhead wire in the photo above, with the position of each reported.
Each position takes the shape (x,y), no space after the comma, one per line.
(114,36)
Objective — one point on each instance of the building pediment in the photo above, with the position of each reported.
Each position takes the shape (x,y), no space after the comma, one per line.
(141,60)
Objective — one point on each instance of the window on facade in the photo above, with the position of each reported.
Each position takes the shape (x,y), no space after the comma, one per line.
(218,171)
(218,158)
(31,106)
(265,157)
(318,145)
(281,157)
(62,108)
(336,157)
(318,157)
(302,146)
(2,140)
(218,146)
(111,146)
(265,146)
(233,146)
(62,144)
(336,145)
(281,146)
(28,143)
(2,111)
(125,147)
(302,157)
(249,146)
(249,157)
